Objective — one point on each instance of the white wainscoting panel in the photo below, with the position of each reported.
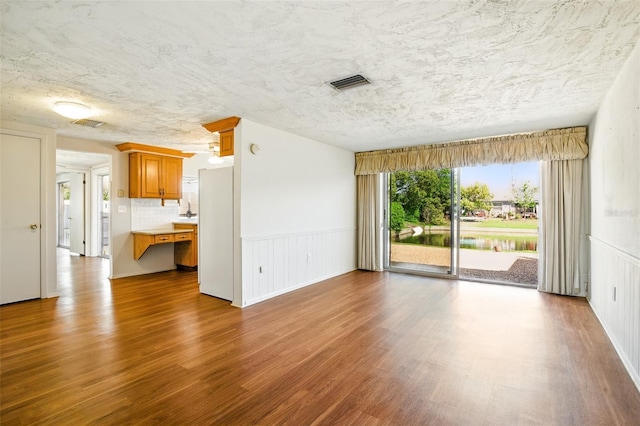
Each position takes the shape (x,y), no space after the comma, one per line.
(278,264)
(616,274)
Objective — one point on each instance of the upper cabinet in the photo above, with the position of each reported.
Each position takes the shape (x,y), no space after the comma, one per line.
(226,143)
(155,176)
(224,128)
(154,172)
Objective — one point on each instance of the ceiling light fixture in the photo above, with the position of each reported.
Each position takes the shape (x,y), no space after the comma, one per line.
(72,110)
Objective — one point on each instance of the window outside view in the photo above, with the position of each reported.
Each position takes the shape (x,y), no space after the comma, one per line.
(498,222)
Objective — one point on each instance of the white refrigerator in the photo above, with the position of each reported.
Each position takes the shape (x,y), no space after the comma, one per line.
(215,233)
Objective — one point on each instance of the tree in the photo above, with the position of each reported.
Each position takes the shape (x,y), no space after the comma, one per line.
(396,222)
(425,195)
(432,212)
(525,196)
(475,197)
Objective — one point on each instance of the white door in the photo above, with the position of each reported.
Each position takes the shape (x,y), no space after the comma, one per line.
(215,232)
(76,213)
(19,218)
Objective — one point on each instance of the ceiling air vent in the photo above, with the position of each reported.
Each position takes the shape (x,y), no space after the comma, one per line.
(349,82)
(88,123)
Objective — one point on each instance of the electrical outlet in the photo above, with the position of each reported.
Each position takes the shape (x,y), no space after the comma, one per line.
(120,192)
(122,209)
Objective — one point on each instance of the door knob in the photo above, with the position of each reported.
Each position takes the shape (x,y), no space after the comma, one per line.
(33,226)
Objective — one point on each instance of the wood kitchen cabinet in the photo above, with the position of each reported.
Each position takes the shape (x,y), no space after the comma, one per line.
(187,254)
(155,176)
(224,128)
(226,143)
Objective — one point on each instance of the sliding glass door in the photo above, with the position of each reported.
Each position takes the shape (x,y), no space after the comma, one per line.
(422,228)
(476,223)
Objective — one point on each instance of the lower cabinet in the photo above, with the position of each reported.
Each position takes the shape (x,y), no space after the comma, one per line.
(187,254)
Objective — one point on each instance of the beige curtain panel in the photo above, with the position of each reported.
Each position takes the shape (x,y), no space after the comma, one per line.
(558,144)
(369,223)
(562,227)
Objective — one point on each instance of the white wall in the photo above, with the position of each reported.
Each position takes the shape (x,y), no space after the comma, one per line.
(614,159)
(48,200)
(191,165)
(297,216)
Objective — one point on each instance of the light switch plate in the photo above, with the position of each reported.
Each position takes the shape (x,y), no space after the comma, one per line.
(122,209)
(120,192)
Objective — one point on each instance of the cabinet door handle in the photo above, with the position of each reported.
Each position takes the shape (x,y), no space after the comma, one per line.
(33,226)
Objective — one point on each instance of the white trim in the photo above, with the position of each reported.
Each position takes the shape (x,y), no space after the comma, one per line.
(295,234)
(625,255)
(610,270)
(137,274)
(635,377)
(289,289)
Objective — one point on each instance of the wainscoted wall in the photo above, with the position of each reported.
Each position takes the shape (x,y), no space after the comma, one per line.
(614,154)
(616,301)
(279,264)
(295,212)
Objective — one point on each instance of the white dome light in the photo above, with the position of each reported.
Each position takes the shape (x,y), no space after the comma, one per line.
(72,110)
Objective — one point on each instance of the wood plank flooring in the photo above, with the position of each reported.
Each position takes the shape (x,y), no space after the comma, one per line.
(363,348)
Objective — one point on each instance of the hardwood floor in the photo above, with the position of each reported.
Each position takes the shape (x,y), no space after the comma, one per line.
(362,348)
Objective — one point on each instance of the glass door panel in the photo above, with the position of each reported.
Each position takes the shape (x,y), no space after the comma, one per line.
(422,221)
(499,223)
(64,225)
(104,195)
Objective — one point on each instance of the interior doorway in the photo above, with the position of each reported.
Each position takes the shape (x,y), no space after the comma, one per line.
(95,192)
(72,212)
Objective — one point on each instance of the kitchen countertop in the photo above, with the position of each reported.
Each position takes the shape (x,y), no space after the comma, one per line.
(192,221)
(161,231)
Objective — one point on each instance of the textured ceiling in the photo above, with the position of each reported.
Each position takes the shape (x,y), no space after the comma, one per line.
(73,160)
(441,70)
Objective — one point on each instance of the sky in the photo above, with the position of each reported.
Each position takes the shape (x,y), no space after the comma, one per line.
(499,177)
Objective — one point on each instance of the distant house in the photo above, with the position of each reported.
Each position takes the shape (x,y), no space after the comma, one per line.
(501,208)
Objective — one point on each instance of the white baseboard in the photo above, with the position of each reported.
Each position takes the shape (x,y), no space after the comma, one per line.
(635,377)
(289,289)
(135,274)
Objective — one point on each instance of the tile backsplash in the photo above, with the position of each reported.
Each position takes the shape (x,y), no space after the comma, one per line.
(147,213)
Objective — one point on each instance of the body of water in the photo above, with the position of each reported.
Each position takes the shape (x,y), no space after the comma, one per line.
(475,241)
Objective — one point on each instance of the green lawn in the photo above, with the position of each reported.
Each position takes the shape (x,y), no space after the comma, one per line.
(515,224)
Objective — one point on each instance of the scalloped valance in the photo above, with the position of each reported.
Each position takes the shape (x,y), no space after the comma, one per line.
(558,144)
